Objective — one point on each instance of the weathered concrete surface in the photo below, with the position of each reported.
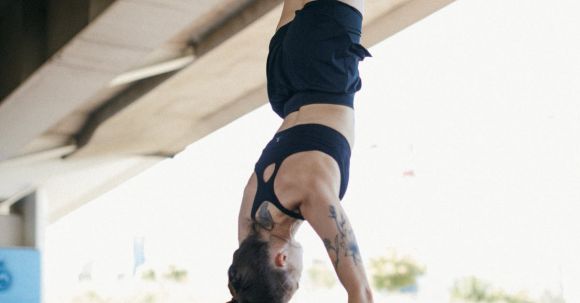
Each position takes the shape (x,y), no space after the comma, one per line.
(118,40)
(225,82)
(223,85)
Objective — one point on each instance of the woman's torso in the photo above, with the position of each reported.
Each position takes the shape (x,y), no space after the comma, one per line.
(339,117)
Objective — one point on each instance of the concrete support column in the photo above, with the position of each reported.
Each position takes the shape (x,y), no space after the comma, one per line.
(10,230)
(21,238)
(30,210)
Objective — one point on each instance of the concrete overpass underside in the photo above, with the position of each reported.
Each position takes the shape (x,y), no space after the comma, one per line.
(140,81)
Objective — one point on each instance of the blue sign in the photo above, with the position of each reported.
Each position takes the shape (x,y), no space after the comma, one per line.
(19,275)
(5,278)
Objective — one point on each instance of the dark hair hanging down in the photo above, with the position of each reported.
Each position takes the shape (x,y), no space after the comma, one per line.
(252,279)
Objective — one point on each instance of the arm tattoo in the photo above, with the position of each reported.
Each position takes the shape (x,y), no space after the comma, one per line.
(344,243)
(264,217)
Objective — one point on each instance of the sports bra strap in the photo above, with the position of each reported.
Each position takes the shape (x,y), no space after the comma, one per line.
(265,192)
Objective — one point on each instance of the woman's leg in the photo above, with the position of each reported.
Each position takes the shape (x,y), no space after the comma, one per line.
(289,10)
(291,6)
(358,4)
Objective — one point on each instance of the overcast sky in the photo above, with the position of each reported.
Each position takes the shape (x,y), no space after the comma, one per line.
(467,158)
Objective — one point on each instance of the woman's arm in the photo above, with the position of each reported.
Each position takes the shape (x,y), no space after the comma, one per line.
(327,217)
(244,221)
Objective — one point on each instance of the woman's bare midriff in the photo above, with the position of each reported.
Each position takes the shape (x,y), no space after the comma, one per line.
(338,117)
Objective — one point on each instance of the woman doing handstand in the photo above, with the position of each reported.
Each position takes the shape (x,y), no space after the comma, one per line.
(302,174)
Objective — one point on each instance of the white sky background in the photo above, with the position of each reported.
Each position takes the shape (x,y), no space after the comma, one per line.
(480,101)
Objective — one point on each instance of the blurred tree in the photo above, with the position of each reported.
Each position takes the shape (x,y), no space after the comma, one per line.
(321,276)
(90,296)
(395,274)
(175,274)
(471,289)
(475,290)
(149,298)
(149,275)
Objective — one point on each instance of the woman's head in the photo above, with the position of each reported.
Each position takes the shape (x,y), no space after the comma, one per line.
(265,271)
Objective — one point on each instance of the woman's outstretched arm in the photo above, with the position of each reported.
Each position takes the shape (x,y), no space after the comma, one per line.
(323,211)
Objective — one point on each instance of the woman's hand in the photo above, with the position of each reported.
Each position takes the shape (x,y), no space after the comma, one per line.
(362,296)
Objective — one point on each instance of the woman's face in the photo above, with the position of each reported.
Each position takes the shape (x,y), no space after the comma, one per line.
(294,265)
(287,256)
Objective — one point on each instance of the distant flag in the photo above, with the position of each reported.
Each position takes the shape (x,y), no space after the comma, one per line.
(138,253)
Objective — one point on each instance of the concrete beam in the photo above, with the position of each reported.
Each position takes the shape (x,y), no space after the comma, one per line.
(227,81)
(399,15)
(202,44)
(91,178)
(224,84)
(116,41)
(33,30)
(11,40)
(233,25)
(89,183)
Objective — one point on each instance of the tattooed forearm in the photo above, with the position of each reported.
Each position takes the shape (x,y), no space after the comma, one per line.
(344,243)
(264,217)
(333,246)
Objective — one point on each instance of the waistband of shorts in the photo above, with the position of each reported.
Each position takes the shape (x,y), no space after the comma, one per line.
(300,99)
(320,133)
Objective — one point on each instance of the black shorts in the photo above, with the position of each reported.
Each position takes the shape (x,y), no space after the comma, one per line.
(315,57)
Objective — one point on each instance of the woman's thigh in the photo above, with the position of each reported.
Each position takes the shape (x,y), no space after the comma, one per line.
(291,6)
(289,11)
(358,4)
